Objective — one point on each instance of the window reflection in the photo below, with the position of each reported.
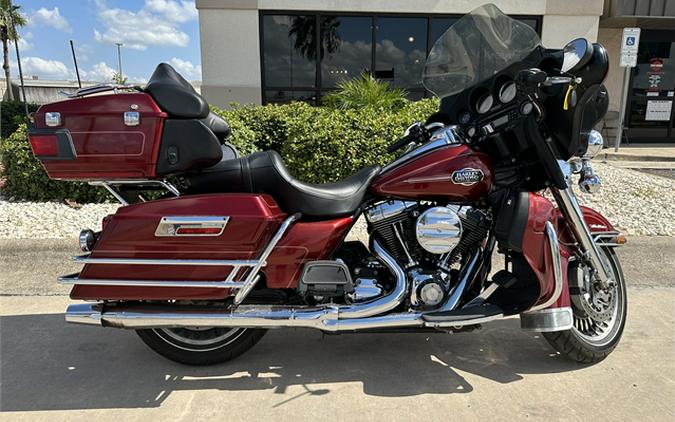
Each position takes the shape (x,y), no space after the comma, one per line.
(301,60)
(285,97)
(400,50)
(347,48)
(289,51)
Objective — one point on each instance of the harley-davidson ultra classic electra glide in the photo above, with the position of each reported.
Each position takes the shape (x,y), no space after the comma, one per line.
(237,246)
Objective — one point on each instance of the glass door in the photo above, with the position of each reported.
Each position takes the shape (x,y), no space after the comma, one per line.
(649,114)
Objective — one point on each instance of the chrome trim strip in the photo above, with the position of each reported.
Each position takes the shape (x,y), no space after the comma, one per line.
(554,248)
(74,279)
(170,225)
(85,259)
(252,278)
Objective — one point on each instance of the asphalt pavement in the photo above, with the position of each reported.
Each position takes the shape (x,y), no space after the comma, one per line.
(52,371)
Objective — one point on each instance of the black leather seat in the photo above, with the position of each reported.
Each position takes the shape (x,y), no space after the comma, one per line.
(265,172)
(175,95)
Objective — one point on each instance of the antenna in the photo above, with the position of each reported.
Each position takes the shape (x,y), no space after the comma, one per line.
(18,61)
(77,70)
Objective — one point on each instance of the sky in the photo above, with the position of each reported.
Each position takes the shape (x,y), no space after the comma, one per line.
(151,31)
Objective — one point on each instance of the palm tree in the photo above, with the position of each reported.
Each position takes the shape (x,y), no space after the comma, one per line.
(10,19)
(304,30)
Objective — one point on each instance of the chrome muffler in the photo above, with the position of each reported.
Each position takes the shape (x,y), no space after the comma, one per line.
(360,316)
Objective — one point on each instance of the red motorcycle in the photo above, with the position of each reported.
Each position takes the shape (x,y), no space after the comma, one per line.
(237,246)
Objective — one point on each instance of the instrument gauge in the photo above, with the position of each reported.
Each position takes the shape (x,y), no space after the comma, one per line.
(484,103)
(464,117)
(507,92)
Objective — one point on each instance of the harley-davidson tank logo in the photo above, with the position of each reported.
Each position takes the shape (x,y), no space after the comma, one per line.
(467,176)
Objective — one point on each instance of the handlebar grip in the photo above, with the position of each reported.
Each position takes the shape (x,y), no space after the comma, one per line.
(400,143)
(415,133)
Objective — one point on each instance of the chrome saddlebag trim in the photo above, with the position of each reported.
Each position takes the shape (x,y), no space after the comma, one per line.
(75,280)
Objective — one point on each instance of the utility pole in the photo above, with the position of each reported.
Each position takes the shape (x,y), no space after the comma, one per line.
(119,59)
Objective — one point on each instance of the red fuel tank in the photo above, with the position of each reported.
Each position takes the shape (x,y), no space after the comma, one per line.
(454,173)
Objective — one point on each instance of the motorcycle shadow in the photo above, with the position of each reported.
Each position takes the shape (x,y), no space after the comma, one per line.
(49,365)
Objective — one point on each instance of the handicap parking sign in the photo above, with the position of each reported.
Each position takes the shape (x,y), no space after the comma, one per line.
(630,40)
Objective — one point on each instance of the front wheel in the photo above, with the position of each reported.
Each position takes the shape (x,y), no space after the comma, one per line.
(599,315)
(200,346)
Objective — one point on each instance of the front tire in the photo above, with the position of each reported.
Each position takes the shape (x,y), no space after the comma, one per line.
(596,331)
(200,346)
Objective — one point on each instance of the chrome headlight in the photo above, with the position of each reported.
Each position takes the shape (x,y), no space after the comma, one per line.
(595,144)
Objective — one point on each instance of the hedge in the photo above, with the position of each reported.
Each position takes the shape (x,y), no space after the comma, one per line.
(12,114)
(318,144)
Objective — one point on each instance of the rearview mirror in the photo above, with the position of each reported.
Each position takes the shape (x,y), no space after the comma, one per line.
(576,54)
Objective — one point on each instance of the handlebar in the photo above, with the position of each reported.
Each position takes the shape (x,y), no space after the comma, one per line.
(415,133)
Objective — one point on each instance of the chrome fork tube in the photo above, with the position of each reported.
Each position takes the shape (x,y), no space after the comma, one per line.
(575,218)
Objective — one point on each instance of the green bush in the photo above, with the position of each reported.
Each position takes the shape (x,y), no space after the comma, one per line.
(336,143)
(12,114)
(25,178)
(268,123)
(365,91)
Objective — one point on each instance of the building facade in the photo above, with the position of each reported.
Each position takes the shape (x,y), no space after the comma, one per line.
(263,51)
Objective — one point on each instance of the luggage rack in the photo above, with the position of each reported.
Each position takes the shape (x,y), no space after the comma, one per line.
(244,286)
(90,90)
(110,187)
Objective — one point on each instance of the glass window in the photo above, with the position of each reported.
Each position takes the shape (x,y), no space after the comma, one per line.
(283,97)
(438,28)
(346,48)
(400,50)
(299,61)
(289,51)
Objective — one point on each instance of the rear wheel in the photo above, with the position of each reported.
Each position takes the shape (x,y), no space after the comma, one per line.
(599,315)
(200,346)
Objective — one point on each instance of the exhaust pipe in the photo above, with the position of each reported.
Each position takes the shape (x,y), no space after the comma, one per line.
(141,317)
(361,316)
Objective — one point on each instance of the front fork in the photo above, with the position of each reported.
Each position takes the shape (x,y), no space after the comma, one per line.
(568,204)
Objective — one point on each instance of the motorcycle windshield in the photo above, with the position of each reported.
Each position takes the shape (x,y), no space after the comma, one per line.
(475,48)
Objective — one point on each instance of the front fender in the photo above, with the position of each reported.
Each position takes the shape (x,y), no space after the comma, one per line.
(596,222)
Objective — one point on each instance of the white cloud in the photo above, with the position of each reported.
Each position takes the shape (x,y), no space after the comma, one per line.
(154,24)
(173,10)
(44,68)
(24,42)
(100,72)
(52,18)
(189,71)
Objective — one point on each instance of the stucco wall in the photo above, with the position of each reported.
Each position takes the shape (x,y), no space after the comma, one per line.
(611,39)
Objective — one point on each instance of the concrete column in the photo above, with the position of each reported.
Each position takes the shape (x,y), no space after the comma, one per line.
(230,47)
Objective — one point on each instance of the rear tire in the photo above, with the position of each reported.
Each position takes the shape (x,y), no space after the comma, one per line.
(200,346)
(591,339)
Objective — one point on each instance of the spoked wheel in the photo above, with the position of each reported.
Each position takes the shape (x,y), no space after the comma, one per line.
(599,315)
(200,346)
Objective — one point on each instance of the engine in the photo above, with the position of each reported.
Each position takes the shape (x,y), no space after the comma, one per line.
(429,240)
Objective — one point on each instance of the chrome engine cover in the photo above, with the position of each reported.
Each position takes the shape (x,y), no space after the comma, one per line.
(438,230)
